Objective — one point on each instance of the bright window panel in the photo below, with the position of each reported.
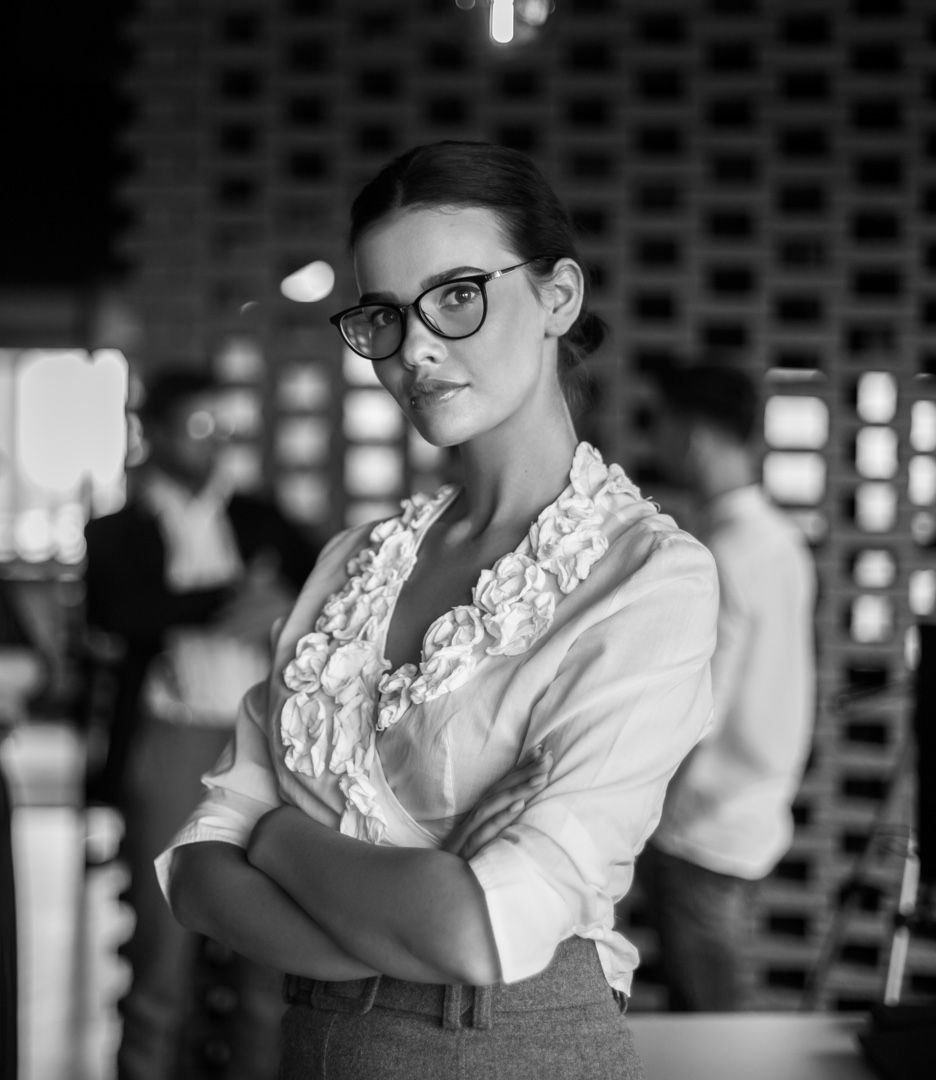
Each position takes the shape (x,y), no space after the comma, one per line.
(877,397)
(797,478)
(922,589)
(241,462)
(872,619)
(63,443)
(240,410)
(923,426)
(875,507)
(357,370)
(874,569)
(373,472)
(304,386)
(303,440)
(796,422)
(876,453)
(923,528)
(371,415)
(304,496)
(240,359)
(921,481)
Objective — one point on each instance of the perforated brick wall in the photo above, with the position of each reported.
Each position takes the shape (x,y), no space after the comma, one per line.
(757,177)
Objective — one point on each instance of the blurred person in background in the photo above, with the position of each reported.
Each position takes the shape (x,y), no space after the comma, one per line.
(727,818)
(187,579)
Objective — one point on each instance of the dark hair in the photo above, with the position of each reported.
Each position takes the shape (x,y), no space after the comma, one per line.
(508,183)
(169,388)
(717,391)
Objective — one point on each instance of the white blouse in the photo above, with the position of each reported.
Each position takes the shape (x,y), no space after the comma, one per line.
(592,638)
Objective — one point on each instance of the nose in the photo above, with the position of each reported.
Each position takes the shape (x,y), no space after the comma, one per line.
(420,345)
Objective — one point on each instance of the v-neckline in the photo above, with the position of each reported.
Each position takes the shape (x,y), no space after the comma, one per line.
(400,585)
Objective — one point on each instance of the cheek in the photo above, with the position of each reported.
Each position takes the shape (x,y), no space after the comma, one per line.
(390,377)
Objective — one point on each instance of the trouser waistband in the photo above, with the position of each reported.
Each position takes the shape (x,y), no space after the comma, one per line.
(574,978)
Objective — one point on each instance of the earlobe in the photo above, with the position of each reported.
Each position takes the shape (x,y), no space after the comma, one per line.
(565,292)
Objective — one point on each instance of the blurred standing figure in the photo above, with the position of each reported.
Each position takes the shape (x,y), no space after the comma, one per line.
(727,816)
(189,578)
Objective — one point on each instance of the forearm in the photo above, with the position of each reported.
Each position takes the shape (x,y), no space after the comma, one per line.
(214,891)
(413,913)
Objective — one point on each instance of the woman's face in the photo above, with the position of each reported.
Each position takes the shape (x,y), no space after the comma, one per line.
(455,390)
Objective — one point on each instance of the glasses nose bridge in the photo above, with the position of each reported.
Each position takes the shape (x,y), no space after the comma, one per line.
(413,349)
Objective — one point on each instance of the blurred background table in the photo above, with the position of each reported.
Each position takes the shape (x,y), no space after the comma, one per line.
(742,1046)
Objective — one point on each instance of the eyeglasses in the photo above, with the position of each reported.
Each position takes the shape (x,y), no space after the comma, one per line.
(455,309)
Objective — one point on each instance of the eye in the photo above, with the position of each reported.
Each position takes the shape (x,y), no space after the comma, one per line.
(458,294)
(381,318)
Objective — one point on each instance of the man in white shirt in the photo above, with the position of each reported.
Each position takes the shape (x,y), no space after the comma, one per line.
(188,579)
(727,819)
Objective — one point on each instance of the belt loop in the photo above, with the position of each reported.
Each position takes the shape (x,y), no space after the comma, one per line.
(451,1007)
(367,999)
(482,1012)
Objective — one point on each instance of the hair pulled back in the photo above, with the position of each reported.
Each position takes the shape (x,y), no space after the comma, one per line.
(506,182)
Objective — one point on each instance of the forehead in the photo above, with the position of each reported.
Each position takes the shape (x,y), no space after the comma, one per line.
(403,248)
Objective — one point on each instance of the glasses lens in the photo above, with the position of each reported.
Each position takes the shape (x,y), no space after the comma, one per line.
(374,330)
(455,309)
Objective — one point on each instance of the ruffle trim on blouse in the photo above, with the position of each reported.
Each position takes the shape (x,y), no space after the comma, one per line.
(339,675)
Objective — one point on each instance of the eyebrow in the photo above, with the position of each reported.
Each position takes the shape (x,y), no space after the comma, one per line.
(427,283)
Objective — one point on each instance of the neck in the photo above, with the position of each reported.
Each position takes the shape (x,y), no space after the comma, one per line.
(508,480)
(732,470)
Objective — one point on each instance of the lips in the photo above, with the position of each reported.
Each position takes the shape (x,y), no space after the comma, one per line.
(432,392)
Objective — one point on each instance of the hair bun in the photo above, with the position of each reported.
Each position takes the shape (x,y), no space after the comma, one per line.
(588,333)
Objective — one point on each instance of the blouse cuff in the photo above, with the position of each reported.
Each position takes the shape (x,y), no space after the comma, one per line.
(224,816)
(528,918)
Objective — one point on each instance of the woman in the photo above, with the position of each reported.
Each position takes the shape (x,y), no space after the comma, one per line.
(541,605)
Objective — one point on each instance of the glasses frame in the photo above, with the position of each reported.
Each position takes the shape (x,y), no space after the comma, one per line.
(481,280)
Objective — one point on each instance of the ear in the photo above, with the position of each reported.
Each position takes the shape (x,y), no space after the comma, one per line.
(563,295)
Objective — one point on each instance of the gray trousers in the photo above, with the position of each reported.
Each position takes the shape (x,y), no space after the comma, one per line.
(563,1024)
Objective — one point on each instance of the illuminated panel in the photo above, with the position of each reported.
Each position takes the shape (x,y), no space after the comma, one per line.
(796,478)
(923,426)
(358,371)
(876,453)
(242,463)
(922,592)
(796,422)
(877,397)
(304,496)
(371,415)
(303,440)
(874,569)
(373,472)
(303,386)
(875,507)
(872,619)
(240,359)
(921,481)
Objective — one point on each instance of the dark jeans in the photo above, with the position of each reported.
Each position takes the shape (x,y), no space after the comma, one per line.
(163,786)
(704,922)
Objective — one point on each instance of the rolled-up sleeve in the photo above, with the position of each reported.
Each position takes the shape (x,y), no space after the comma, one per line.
(241,787)
(630,699)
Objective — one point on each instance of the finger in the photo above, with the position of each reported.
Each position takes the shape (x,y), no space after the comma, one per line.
(494,826)
(520,774)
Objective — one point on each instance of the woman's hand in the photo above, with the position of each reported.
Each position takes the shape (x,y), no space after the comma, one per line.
(500,805)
